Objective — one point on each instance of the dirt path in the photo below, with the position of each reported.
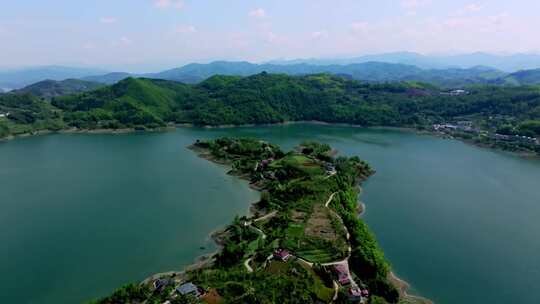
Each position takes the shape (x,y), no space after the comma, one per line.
(259,231)
(265,217)
(246,264)
(330,199)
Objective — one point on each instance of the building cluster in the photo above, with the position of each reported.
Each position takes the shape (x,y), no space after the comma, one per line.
(516,138)
(356,293)
(341,274)
(185,289)
(465,126)
(2,114)
(455,92)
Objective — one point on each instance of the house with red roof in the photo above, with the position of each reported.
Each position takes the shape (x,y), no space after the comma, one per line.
(342,273)
(282,254)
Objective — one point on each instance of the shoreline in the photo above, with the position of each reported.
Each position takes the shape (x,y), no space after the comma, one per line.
(487,146)
(172,127)
(293,122)
(206,260)
(403,288)
(401,285)
(361,209)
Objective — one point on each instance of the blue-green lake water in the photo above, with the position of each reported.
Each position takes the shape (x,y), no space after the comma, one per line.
(83,214)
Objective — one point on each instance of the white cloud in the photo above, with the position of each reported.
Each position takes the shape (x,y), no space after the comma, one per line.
(319,35)
(498,19)
(411,6)
(123,41)
(257,13)
(469,9)
(185,29)
(414,4)
(89,45)
(359,26)
(108,20)
(178,4)
(473,7)
(271,37)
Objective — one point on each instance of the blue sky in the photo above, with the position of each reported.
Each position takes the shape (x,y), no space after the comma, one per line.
(147,34)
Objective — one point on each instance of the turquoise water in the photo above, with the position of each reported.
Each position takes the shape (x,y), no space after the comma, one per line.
(83,214)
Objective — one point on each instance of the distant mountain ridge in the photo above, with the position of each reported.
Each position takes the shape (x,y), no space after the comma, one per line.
(18,78)
(392,67)
(368,71)
(53,88)
(110,78)
(525,77)
(506,63)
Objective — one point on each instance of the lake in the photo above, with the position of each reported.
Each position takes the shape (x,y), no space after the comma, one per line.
(83,214)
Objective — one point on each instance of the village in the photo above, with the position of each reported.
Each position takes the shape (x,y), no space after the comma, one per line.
(181,291)
(467,127)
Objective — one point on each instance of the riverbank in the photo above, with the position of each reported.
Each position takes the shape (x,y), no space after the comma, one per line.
(170,127)
(87,131)
(485,145)
(403,288)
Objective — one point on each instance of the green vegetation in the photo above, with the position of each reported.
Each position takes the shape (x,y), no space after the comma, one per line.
(297,185)
(273,98)
(27,114)
(127,294)
(52,88)
(307,208)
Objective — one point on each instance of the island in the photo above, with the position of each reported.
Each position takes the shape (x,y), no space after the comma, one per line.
(303,242)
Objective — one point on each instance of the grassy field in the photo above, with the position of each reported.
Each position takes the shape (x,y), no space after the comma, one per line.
(295,230)
(318,287)
(317,255)
(299,162)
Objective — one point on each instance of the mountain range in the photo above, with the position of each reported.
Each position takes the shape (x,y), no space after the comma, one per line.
(368,71)
(391,67)
(53,88)
(507,63)
(16,79)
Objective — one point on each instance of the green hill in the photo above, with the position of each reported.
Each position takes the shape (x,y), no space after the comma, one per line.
(367,71)
(131,102)
(19,78)
(271,98)
(110,78)
(525,77)
(26,114)
(52,88)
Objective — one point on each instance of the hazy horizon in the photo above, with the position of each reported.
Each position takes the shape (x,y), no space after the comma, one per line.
(146,35)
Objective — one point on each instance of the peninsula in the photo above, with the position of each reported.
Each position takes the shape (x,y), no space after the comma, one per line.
(303,243)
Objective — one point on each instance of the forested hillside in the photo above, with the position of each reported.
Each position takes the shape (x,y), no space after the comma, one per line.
(273,98)
(52,88)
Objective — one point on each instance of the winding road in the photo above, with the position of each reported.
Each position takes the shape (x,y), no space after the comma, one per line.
(344,262)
